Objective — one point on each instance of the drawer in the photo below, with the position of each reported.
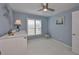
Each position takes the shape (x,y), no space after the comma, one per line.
(14,44)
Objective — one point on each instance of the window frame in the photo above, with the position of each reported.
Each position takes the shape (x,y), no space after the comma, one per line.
(34,26)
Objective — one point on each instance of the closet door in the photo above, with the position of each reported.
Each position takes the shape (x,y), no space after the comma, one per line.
(75,32)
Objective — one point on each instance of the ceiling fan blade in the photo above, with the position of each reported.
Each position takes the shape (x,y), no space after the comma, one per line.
(46,5)
(40,10)
(42,5)
(51,9)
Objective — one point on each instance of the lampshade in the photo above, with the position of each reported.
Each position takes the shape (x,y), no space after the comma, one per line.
(18,22)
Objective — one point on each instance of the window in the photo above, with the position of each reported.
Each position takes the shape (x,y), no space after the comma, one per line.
(34,27)
(31,27)
(38,27)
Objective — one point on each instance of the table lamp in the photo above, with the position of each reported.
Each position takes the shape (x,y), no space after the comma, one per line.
(18,24)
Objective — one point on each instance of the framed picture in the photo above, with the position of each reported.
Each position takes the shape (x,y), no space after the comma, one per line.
(60,20)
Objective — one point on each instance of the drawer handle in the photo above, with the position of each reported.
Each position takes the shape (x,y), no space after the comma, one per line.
(73,34)
(24,37)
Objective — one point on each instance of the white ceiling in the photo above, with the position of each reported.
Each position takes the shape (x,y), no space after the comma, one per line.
(34,7)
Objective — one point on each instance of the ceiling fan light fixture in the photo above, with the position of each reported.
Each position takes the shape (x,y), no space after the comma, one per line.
(45,9)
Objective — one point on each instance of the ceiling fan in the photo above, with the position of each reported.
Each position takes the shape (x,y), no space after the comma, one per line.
(45,7)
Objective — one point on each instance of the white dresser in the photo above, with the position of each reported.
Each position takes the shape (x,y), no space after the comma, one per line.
(14,45)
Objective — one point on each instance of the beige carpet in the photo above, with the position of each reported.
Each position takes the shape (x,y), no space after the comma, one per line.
(41,46)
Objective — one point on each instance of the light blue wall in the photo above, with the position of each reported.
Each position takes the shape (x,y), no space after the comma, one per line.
(10,17)
(25,16)
(4,19)
(63,32)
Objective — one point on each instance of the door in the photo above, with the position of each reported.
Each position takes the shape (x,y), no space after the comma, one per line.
(31,27)
(34,27)
(38,27)
(75,32)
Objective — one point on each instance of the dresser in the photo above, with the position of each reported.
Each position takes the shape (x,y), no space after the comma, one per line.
(14,45)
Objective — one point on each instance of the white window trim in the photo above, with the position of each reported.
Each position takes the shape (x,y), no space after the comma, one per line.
(35,27)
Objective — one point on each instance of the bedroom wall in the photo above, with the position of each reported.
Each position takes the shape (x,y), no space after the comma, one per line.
(25,16)
(5,20)
(10,16)
(63,32)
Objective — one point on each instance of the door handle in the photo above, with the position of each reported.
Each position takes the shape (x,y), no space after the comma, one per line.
(73,34)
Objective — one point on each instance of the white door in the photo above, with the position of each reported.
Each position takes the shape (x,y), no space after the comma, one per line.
(75,32)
